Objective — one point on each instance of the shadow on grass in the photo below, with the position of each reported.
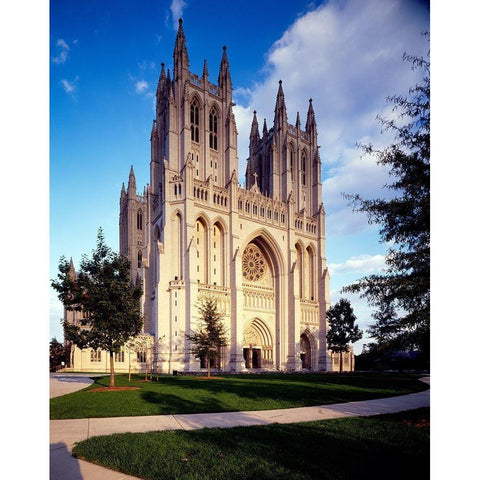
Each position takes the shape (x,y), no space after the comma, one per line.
(189,394)
(172,404)
(303,390)
(354,448)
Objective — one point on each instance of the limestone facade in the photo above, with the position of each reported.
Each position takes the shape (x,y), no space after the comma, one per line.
(195,232)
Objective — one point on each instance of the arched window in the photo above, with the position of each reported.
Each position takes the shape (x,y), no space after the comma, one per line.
(202,248)
(260,173)
(195,121)
(303,166)
(299,271)
(139,220)
(218,255)
(212,126)
(291,162)
(310,274)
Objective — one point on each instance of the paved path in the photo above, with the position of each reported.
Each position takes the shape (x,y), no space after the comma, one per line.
(63,383)
(64,433)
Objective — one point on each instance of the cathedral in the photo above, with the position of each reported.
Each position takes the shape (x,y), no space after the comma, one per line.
(196,233)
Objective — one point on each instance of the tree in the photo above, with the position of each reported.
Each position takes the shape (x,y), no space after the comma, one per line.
(211,336)
(140,344)
(104,292)
(401,294)
(343,330)
(57,353)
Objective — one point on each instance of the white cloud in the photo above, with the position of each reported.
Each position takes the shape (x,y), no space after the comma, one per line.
(63,49)
(69,86)
(62,44)
(363,264)
(346,56)
(141,86)
(177,7)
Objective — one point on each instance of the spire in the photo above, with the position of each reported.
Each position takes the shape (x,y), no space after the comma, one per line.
(280,108)
(280,96)
(71,270)
(224,73)
(297,124)
(180,55)
(265,130)
(205,69)
(123,192)
(132,184)
(311,125)
(254,133)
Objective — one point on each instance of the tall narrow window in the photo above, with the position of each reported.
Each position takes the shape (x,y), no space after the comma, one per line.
(212,126)
(303,169)
(139,260)
(120,356)
(195,122)
(291,162)
(260,173)
(139,220)
(95,355)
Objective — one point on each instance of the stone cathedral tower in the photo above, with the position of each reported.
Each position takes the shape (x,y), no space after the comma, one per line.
(194,232)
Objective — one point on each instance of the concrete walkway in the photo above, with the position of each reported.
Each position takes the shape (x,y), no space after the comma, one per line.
(64,433)
(63,383)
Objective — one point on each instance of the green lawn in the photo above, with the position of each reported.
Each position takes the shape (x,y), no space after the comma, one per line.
(188,394)
(394,446)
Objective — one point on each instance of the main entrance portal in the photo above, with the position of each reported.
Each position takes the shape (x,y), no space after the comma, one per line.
(259,295)
(258,348)
(253,357)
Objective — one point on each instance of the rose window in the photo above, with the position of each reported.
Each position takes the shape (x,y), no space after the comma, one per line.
(253,263)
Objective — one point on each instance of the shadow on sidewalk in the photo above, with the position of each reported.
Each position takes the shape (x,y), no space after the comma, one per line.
(62,464)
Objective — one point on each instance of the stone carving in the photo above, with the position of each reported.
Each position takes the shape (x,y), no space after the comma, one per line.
(254,264)
(251,337)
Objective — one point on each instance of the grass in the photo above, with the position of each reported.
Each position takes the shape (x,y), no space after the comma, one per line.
(188,394)
(394,446)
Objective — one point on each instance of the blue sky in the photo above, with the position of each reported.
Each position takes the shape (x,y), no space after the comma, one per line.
(104,62)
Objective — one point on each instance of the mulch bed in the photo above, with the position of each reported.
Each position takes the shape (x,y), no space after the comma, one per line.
(422,423)
(112,389)
(209,378)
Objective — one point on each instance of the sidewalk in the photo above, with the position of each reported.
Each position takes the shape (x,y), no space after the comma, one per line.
(64,433)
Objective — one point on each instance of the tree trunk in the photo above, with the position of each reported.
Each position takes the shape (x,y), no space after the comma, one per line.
(146,364)
(112,372)
(208,364)
(341,362)
(129,368)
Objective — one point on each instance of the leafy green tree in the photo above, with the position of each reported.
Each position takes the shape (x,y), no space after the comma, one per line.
(57,353)
(401,294)
(104,292)
(343,330)
(211,336)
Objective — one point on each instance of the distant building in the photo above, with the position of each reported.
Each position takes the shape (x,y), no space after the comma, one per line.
(194,232)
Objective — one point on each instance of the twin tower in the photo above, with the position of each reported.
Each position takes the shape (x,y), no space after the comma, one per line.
(195,233)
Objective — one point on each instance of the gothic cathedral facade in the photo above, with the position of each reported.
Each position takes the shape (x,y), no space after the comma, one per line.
(195,233)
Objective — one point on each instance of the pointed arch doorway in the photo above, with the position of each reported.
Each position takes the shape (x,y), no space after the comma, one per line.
(257,345)
(305,351)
